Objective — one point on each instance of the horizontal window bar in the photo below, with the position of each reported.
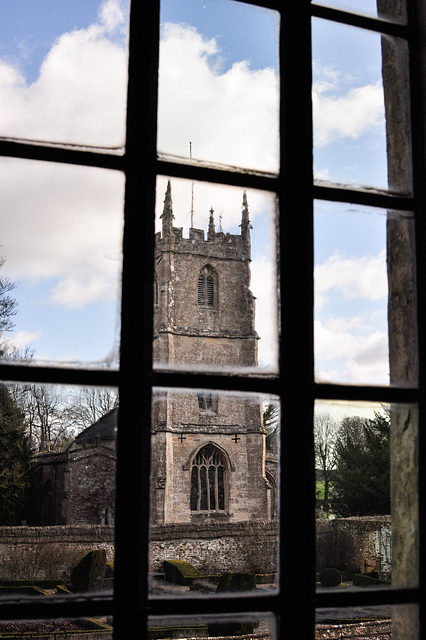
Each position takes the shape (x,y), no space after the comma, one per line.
(345,598)
(65,154)
(363,22)
(383,200)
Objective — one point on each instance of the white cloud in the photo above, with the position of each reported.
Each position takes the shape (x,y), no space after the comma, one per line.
(19,340)
(80,94)
(75,293)
(351,351)
(264,288)
(338,114)
(230,116)
(353,348)
(61,222)
(354,277)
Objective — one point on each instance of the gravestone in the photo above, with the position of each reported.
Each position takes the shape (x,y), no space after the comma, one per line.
(89,573)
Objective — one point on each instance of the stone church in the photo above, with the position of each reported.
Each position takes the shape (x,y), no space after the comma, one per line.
(209,463)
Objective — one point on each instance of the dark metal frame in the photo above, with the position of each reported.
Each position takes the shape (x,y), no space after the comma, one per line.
(296,598)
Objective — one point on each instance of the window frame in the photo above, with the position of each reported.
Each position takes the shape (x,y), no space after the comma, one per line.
(131,604)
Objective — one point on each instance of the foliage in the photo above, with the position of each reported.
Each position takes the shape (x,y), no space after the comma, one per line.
(362,475)
(15,462)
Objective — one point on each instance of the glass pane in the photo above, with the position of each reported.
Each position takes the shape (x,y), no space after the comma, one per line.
(366,495)
(63,71)
(215,290)
(384,622)
(61,234)
(57,469)
(218,83)
(214,486)
(394,10)
(256,625)
(360,109)
(365,331)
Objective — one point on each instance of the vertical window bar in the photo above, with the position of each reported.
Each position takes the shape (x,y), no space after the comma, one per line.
(417,61)
(296,352)
(133,442)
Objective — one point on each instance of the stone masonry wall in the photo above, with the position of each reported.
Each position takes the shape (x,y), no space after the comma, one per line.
(49,553)
(355,544)
(217,548)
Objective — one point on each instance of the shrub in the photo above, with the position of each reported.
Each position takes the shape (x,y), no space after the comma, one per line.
(330,577)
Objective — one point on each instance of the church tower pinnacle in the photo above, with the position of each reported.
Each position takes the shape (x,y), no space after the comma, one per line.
(167,215)
(246,226)
(212,230)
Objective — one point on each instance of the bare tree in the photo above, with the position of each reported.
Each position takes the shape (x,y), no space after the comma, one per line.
(8,305)
(325,434)
(91,404)
(45,416)
(53,415)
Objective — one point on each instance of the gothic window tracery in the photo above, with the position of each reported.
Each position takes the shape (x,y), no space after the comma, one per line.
(208,480)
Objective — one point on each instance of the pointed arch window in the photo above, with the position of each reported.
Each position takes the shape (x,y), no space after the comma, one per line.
(207,287)
(208,476)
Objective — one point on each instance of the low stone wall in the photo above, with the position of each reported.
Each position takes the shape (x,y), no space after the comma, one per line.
(348,544)
(49,553)
(355,544)
(215,548)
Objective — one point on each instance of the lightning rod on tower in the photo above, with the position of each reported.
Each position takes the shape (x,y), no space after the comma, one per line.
(192,189)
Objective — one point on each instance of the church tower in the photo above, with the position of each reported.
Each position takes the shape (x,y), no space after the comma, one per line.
(208,448)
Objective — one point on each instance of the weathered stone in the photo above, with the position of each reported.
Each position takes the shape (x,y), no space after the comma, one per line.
(89,573)
(180,572)
(330,577)
(236,582)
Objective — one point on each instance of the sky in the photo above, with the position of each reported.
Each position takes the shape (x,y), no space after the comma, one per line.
(63,79)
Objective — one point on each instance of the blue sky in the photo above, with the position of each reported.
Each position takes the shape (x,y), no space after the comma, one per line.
(218,89)
(28,28)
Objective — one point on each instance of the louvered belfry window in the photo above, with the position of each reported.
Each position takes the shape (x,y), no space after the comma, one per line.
(206,287)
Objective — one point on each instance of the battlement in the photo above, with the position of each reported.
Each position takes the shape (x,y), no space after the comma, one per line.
(216,244)
(219,245)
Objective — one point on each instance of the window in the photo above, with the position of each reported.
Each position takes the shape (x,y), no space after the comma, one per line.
(131,604)
(207,401)
(208,480)
(207,287)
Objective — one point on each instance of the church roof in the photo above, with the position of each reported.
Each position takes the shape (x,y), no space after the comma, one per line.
(103,429)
